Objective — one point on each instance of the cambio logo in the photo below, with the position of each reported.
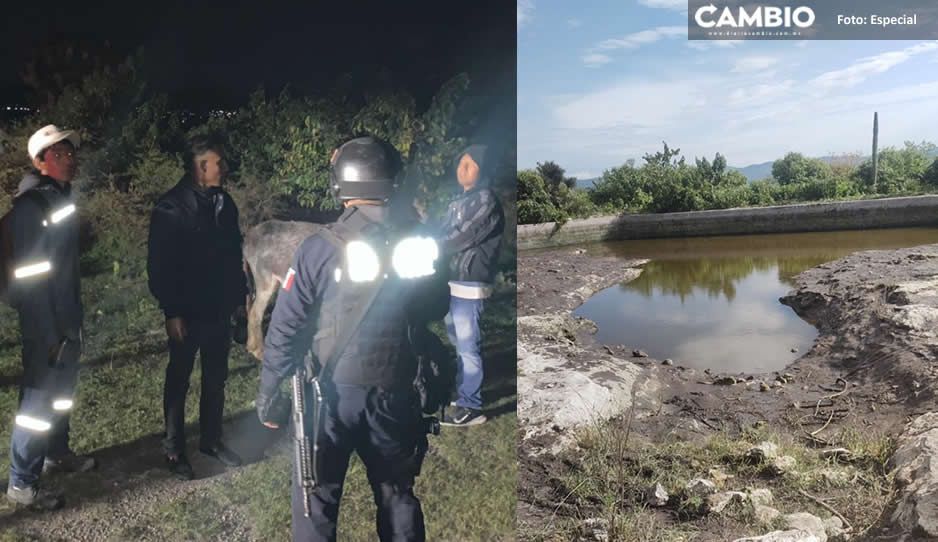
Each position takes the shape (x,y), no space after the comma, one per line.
(758,17)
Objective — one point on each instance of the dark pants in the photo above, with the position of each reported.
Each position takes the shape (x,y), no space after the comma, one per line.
(213,340)
(385,430)
(31,441)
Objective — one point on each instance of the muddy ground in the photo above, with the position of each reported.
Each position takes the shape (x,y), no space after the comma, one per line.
(877,316)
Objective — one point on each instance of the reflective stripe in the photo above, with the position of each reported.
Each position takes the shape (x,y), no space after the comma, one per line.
(62,213)
(465,291)
(414,257)
(362,262)
(62,404)
(32,269)
(34,424)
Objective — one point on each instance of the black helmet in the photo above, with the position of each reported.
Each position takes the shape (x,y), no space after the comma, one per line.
(365,168)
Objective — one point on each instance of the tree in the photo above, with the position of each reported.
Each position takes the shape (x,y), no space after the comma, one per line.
(554,175)
(796,168)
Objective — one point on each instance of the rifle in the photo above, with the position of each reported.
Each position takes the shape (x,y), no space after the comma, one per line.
(305,466)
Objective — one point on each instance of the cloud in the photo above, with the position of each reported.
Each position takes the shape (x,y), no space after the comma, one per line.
(680,5)
(751,64)
(760,94)
(595,60)
(575,23)
(706,45)
(644,37)
(867,67)
(525,7)
(583,175)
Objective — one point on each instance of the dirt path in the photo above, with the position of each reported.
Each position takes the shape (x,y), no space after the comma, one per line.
(124,496)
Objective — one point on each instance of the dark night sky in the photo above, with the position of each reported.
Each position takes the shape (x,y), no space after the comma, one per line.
(210,53)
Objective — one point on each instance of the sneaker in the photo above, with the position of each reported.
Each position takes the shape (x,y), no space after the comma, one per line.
(33,497)
(70,462)
(222,453)
(180,467)
(463,416)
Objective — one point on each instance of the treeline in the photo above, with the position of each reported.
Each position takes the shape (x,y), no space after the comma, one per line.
(666,182)
(279,149)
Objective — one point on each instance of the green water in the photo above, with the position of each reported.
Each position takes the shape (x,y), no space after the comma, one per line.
(713,302)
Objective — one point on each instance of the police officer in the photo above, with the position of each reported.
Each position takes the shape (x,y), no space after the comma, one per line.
(355,283)
(42,232)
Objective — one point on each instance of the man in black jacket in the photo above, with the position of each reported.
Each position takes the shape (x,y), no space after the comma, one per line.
(471,236)
(196,273)
(45,291)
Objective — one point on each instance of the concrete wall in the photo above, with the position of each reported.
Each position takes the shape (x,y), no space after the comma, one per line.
(847,215)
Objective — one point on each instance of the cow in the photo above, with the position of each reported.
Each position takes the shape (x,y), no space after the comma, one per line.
(268,249)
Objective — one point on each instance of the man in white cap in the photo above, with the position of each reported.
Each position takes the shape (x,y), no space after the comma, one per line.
(44,289)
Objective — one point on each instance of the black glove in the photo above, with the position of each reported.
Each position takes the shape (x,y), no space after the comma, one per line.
(272,408)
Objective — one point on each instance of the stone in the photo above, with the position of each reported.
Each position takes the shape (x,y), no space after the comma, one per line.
(916,474)
(804,521)
(639,354)
(765,514)
(656,495)
(763,386)
(782,465)
(718,476)
(840,454)
(725,381)
(762,452)
(782,536)
(761,497)
(717,502)
(794,350)
(699,487)
(836,477)
(834,528)
(597,529)
(668,361)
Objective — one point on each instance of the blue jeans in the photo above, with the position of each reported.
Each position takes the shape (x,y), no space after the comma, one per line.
(462,326)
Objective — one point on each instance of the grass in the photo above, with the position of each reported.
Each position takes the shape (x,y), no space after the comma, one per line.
(607,476)
(467,486)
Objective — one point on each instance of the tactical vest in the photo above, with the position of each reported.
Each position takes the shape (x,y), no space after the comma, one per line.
(379,352)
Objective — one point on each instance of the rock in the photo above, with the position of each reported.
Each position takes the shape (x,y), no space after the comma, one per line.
(762,452)
(834,528)
(639,354)
(804,521)
(836,477)
(782,465)
(596,529)
(699,487)
(794,350)
(782,536)
(668,361)
(717,502)
(765,515)
(609,350)
(725,381)
(917,476)
(580,251)
(656,495)
(763,386)
(719,477)
(840,454)
(776,384)
(761,497)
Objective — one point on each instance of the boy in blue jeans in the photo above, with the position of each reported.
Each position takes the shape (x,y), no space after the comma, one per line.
(472,234)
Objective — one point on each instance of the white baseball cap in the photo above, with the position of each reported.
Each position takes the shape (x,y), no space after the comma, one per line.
(49,135)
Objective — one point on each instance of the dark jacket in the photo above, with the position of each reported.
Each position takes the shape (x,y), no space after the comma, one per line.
(313,309)
(48,302)
(472,234)
(194,259)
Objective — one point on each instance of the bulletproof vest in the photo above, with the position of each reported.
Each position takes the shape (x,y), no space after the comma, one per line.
(378,353)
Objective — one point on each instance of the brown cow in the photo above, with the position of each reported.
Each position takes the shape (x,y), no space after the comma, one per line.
(269,248)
